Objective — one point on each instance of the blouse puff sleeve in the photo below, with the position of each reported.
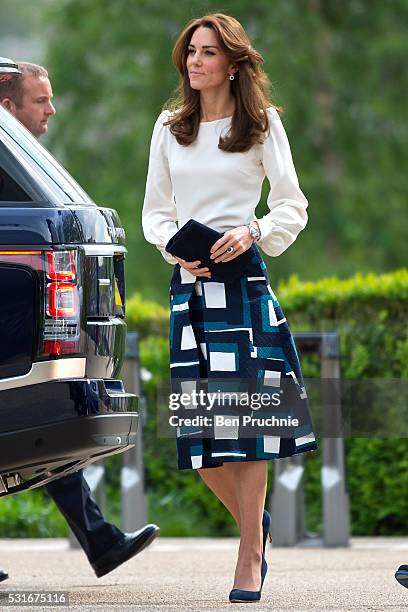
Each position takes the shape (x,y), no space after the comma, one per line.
(287,204)
(159,213)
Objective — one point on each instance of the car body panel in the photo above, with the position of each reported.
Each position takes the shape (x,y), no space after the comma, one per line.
(58,411)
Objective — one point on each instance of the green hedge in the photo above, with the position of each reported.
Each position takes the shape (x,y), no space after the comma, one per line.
(369,312)
(148,318)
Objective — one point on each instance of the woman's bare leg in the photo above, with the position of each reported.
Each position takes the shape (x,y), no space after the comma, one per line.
(221,482)
(241,487)
(251,481)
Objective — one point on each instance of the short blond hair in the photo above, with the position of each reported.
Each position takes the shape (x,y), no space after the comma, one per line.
(13,88)
(28,69)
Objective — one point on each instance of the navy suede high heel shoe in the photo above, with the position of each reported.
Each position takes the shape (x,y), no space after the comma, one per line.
(242,596)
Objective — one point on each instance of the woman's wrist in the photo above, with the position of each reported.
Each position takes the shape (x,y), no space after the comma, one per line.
(254,230)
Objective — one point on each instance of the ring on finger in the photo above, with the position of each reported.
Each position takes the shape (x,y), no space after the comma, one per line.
(230,249)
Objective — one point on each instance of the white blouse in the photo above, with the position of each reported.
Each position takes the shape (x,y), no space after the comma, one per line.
(221,189)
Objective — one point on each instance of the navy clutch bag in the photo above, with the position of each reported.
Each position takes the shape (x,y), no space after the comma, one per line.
(194,241)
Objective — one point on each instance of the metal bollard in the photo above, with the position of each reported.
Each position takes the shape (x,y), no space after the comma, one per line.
(287,500)
(287,507)
(336,521)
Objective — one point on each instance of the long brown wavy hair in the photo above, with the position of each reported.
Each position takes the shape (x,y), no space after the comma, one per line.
(250,87)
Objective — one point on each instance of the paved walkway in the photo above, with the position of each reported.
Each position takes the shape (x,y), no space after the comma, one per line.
(196,574)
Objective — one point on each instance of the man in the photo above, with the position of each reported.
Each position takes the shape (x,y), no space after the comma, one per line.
(25,91)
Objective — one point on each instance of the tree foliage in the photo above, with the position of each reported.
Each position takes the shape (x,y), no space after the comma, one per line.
(338,70)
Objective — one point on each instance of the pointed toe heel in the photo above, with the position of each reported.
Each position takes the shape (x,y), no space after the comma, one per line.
(242,596)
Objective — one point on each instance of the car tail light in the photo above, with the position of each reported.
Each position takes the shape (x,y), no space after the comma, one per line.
(61,265)
(62,320)
(62,300)
(60,347)
(61,310)
(31,258)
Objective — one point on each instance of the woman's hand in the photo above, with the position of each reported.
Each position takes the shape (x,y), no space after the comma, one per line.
(191,266)
(238,238)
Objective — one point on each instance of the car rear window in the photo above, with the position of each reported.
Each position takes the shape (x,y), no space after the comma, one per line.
(10,191)
(33,155)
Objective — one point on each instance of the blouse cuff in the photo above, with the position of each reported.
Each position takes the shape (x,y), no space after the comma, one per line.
(167,256)
(271,242)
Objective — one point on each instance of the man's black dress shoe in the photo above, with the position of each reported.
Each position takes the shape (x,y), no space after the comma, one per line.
(402,575)
(3,575)
(126,548)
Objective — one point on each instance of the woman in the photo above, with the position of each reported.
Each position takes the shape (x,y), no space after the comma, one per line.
(209,155)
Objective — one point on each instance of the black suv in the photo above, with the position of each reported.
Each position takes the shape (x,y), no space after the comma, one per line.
(62,328)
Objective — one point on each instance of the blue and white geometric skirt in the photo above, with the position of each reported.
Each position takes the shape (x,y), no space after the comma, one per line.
(233,338)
